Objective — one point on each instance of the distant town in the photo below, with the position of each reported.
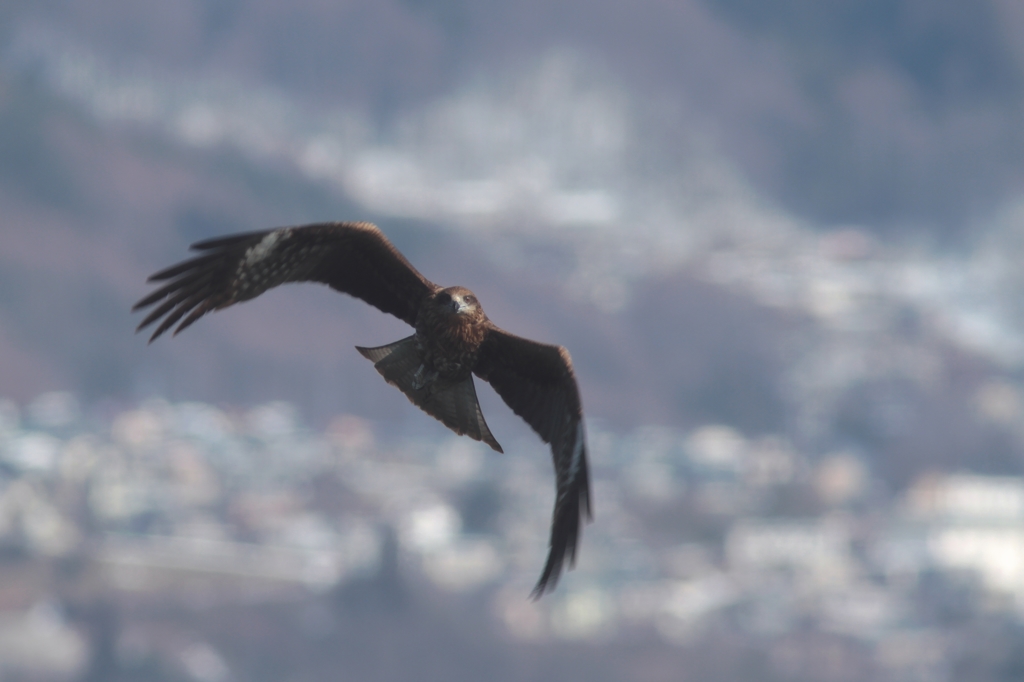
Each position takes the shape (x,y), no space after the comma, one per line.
(696,532)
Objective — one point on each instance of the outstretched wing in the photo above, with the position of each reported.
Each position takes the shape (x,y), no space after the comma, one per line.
(536,380)
(354,258)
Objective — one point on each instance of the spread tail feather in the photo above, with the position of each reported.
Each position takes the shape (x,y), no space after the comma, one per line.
(454,404)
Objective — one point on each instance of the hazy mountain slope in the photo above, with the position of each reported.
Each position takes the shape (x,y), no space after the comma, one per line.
(899,115)
(582,211)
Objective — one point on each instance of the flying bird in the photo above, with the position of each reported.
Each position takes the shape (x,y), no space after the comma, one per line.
(434,367)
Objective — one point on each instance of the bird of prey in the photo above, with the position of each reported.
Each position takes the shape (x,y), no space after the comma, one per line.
(433,367)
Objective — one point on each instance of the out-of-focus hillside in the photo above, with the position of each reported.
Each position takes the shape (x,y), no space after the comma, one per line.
(626,217)
(77,255)
(897,115)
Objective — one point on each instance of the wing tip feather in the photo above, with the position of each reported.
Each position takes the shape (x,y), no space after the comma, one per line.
(566,531)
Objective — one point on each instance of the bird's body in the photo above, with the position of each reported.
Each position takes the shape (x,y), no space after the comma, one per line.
(434,367)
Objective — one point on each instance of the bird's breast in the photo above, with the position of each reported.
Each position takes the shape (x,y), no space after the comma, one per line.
(450,347)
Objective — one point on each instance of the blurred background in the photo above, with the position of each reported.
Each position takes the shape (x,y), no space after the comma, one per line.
(782,241)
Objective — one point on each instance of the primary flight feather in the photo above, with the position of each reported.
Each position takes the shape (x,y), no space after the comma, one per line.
(433,367)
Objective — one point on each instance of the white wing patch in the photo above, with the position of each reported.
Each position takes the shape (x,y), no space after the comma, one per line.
(265,246)
(577,452)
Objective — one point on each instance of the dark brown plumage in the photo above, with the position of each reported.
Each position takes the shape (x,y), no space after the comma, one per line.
(434,367)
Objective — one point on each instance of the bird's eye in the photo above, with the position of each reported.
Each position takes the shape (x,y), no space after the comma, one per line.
(471,300)
(444,298)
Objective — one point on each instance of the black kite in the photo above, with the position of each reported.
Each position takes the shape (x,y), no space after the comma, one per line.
(433,367)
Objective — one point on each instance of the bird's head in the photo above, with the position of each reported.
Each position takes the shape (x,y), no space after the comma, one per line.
(459,301)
